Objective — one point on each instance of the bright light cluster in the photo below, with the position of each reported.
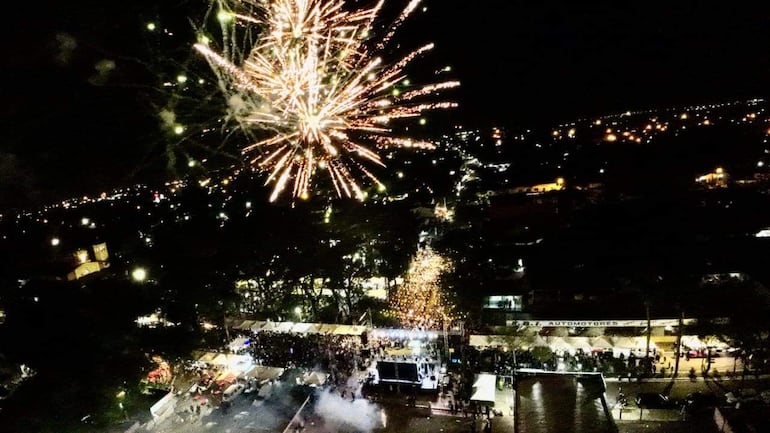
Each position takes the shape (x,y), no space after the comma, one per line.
(420,302)
(314,91)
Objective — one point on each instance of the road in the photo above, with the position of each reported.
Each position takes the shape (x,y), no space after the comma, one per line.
(675,421)
(680,388)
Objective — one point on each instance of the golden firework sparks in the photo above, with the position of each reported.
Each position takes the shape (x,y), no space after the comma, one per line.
(315,86)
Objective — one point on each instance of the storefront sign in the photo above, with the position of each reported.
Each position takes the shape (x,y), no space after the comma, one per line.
(600,323)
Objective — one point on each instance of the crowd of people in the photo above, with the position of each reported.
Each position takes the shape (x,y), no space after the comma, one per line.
(309,351)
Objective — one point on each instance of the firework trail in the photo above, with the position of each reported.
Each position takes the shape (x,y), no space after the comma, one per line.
(313,87)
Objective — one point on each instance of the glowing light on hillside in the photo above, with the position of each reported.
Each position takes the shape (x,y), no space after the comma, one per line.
(139,274)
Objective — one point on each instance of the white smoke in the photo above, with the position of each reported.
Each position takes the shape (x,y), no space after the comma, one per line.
(168,118)
(347,415)
(66,44)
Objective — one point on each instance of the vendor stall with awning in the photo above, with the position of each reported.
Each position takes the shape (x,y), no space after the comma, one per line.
(484,389)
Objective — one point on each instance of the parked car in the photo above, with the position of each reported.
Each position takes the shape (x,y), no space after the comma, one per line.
(699,400)
(653,400)
(765,395)
(233,391)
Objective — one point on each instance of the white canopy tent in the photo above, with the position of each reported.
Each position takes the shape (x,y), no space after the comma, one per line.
(484,389)
(257,325)
(269,326)
(163,407)
(327,328)
(641,343)
(692,342)
(715,342)
(623,343)
(301,328)
(314,378)
(261,372)
(580,343)
(349,330)
(314,328)
(559,343)
(539,341)
(284,326)
(207,357)
(486,341)
(601,343)
(238,344)
(245,325)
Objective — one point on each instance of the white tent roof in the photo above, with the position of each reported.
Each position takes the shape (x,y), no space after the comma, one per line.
(601,343)
(207,357)
(484,388)
(237,363)
(314,328)
(164,406)
(315,378)
(641,343)
(479,340)
(327,328)
(558,343)
(257,325)
(284,327)
(714,341)
(693,342)
(579,343)
(262,372)
(539,341)
(245,325)
(301,328)
(220,359)
(623,343)
(237,344)
(343,330)
(487,341)
(269,326)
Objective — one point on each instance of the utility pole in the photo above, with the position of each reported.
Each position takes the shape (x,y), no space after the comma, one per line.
(371,324)
(649,331)
(446,340)
(678,347)
(224,322)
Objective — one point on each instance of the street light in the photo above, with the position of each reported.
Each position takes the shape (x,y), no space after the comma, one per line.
(55,241)
(139,274)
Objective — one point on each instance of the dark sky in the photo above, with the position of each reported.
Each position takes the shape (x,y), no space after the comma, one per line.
(546,60)
(81,80)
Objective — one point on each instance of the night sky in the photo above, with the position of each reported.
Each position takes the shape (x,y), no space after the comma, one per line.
(81,80)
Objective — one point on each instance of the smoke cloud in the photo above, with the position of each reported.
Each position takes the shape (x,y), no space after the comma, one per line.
(345,415)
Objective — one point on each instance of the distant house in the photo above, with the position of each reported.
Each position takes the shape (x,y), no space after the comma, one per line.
(539,188)
(87,264)
(717,179)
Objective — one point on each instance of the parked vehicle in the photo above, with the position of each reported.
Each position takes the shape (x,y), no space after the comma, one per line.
(233,391)
(653,400)
(699,400)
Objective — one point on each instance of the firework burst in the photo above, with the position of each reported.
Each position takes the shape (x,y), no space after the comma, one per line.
(314,91)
